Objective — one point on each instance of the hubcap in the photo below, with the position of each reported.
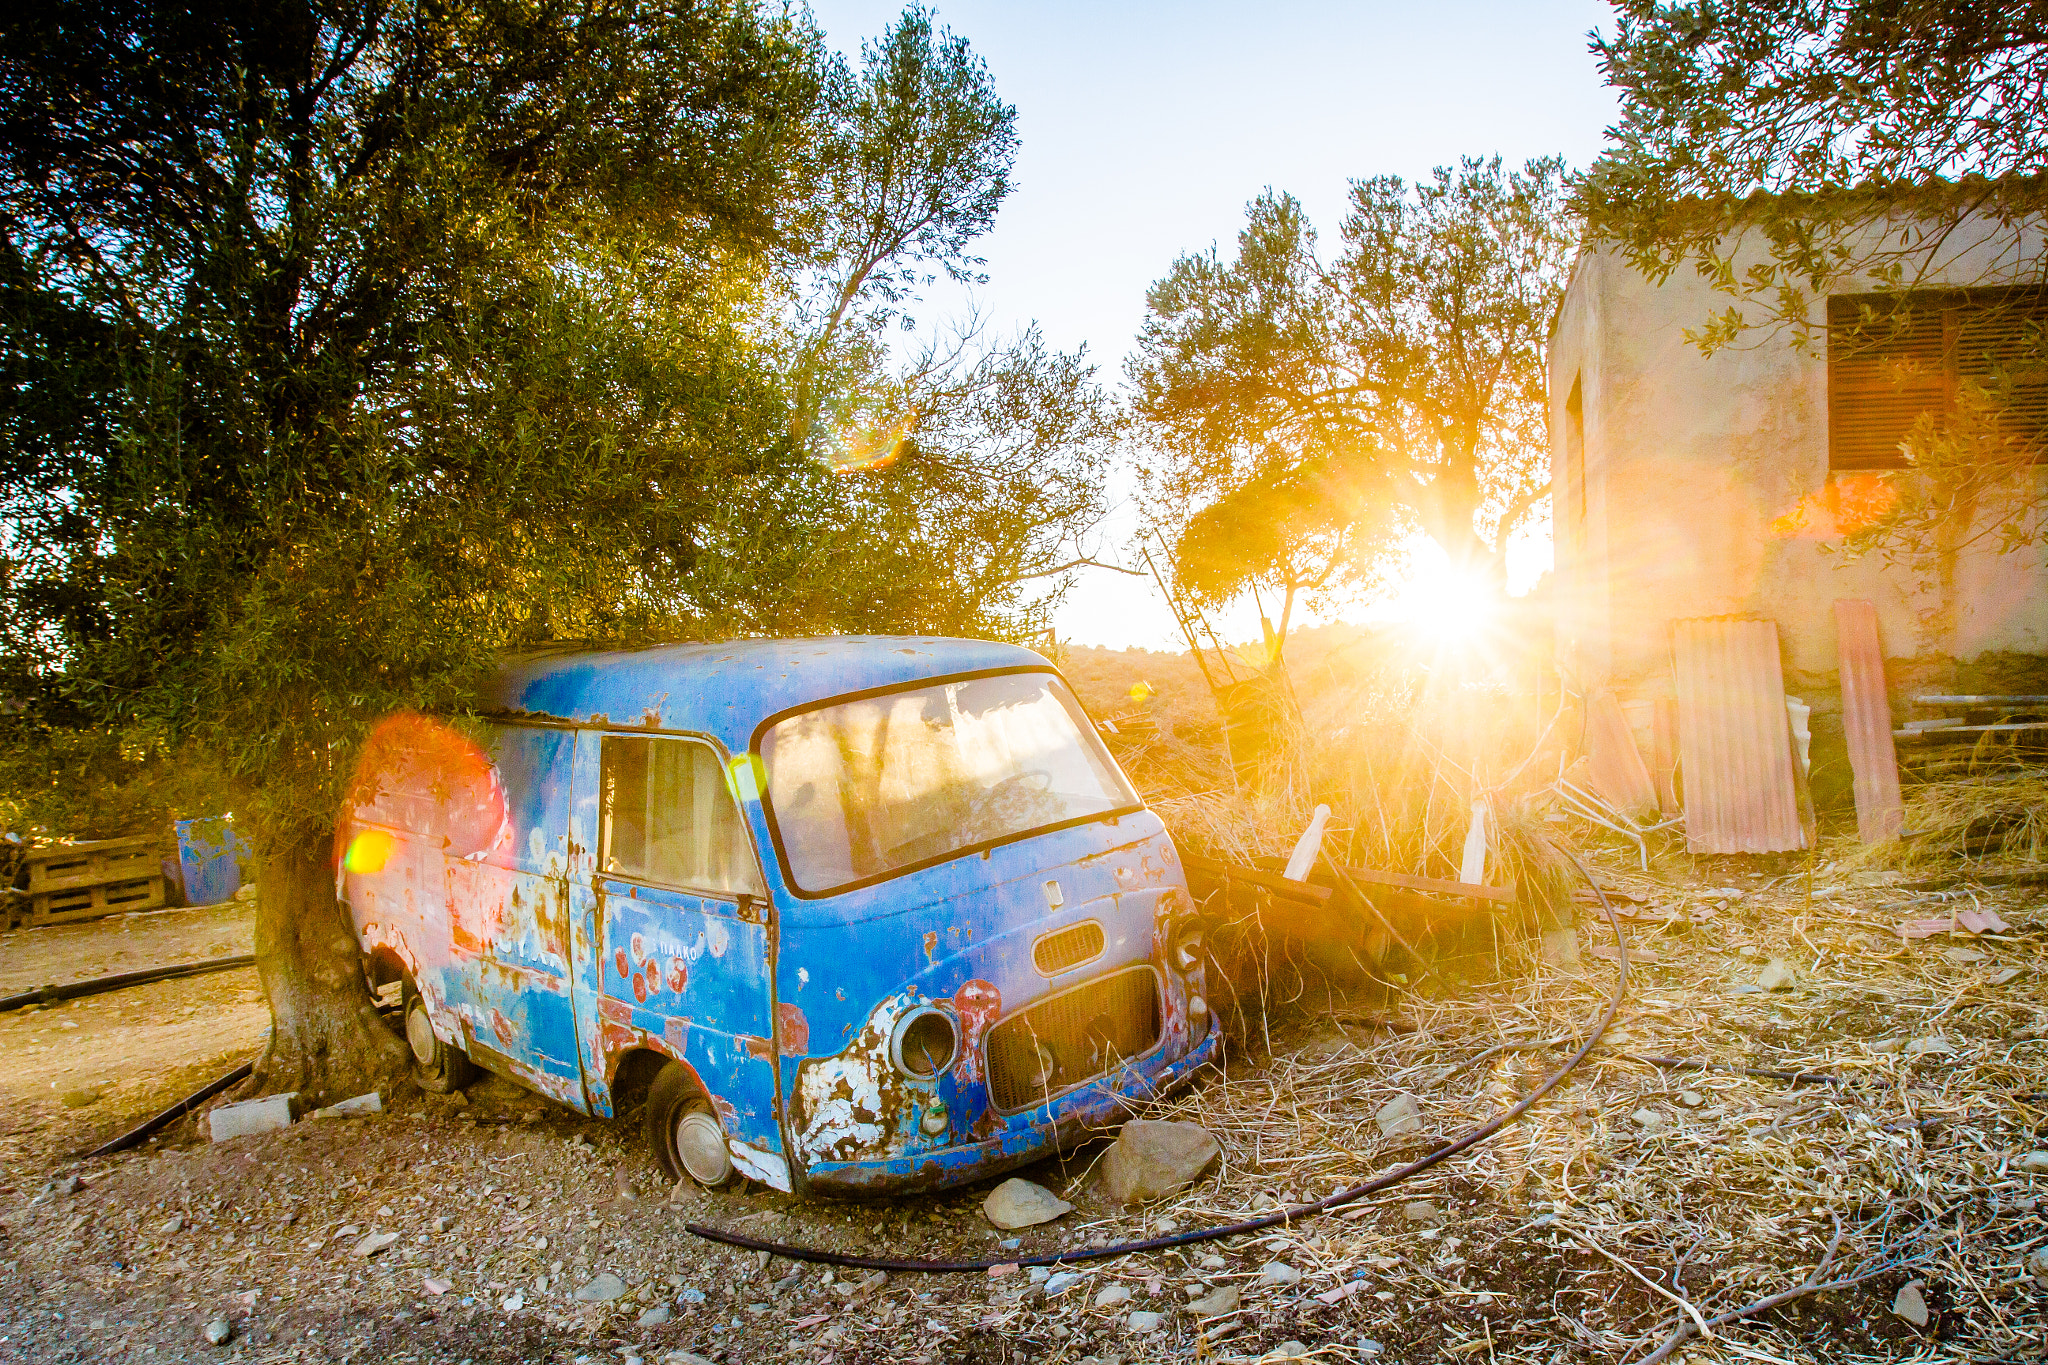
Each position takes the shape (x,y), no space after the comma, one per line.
(701,1145)
(419,1031)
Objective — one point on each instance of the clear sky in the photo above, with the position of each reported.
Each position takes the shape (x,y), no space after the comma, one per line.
(1146,127)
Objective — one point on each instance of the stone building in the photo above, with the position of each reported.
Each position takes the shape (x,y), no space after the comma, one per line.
(1687,485)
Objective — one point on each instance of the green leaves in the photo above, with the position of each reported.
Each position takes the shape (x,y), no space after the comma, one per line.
(351,346)
(1340,404)
(1783,129)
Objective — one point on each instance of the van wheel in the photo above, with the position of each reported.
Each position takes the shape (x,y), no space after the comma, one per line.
(435,1065)
(685,1133)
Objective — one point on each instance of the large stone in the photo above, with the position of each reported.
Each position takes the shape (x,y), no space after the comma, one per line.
(603,1289)
(1151,1159)
(265,1115)
(1217,1301)
(1909,1304)
(359,1106)
(1021,1204)
(1399,1117)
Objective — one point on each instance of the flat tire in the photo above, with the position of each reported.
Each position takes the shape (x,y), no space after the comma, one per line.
(684,1132)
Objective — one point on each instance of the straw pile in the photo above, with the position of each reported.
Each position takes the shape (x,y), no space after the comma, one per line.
(1641,1200)
(1887,1205)
(1991,817)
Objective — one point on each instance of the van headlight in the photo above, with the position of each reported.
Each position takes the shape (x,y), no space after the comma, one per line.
(924,1043)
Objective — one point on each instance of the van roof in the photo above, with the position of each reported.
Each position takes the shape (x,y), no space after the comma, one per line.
(727,688)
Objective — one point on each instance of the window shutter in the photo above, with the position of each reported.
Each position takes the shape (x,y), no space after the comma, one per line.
(1999,343)
(1892,357)
(1883,372)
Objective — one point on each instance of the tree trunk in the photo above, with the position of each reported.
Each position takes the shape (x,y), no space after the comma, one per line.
(327,1040)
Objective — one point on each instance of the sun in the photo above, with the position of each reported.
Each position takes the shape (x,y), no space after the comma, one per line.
(1449,603)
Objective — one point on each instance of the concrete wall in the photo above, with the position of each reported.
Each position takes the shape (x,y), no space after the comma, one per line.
(1694,466)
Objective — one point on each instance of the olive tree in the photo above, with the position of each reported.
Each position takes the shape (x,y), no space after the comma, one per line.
(1308,414)
(352,343)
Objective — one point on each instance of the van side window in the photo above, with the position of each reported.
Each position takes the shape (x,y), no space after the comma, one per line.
(669,817)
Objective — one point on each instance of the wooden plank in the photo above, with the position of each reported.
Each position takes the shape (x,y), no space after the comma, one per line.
(1268,881)
(2015,700)
(1502,895)
(1867,722)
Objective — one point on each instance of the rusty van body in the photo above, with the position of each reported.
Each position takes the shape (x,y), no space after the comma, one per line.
(860,914)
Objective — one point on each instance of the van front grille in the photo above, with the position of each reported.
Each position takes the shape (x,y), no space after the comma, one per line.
(1065,949)
(1072,1037)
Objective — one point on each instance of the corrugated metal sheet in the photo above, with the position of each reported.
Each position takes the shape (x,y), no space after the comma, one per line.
(1741,795)
(1867,722)
(1614,763)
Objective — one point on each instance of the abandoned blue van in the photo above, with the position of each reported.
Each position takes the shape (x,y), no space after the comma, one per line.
(860,914)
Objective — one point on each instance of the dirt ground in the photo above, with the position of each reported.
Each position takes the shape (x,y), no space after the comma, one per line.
(1634,1196)
(75,1074)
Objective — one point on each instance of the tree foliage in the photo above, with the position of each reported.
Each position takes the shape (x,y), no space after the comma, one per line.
(1787,126)
(351,343)
(1311,415)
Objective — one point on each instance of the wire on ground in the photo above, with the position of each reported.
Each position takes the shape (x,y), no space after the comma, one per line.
(1471,1138)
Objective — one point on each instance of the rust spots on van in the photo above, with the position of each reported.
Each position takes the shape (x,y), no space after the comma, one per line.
(678,974)
(619,961)
(792,1030)
(931,945)
(976,1004)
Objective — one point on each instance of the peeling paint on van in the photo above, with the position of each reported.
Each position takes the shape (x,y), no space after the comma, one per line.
(556,973)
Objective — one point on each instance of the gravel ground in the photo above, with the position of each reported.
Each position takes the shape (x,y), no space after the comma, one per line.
(455,1230)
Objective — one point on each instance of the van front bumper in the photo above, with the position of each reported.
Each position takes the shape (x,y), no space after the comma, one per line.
(1028,1136)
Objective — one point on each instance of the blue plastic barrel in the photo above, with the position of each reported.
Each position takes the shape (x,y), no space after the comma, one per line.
(212,856)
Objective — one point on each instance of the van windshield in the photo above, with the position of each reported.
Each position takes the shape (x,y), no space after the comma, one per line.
(865,788)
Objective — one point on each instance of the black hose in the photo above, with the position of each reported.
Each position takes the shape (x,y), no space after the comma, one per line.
(122,980)
(1471,1138)
(137,1135)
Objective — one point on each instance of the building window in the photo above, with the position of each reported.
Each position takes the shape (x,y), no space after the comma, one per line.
(1571,499)
(1893,357)
(669,818)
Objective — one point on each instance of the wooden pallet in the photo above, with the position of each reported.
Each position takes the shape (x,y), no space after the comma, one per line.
(81,881)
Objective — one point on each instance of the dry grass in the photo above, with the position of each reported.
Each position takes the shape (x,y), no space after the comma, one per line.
(1590,1233)
(1641,1202)
(1999,815)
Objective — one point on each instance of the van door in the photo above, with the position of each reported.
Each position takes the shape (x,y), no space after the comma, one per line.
(672,933)
(508,922)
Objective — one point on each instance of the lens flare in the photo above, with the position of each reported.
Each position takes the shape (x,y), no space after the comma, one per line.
(748,779)
(425,777)
(369,851)
(1141,690)
(874,447)
(1846,504)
